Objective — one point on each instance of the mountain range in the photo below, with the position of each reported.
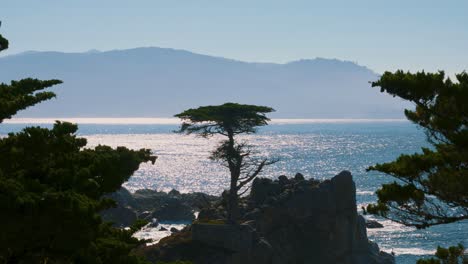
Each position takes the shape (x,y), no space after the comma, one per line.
(160,82)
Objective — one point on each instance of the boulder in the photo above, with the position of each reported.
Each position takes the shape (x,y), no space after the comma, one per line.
(174,210)
(236,238)
(119,216)
(209,213)
(145,215)
(154,222)
(299,177)
(262,189)
(174,192)
(283,180)
(151,200)
(373,224)
(123,198)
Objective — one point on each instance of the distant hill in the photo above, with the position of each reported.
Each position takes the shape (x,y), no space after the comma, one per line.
(157,82)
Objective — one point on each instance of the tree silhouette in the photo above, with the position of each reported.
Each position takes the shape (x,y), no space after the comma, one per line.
(3,42)
(230,120)
(451,255)
(51,187)
(433,185)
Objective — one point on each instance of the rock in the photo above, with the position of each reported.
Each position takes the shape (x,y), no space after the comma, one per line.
(286,221)
(151,200)
(174,192)
(237,238)
(162,228)
(262,252)
(314,223)
(123,215)
(209,213)
(174,230)
(252,215)
(262,189)
(123,198)
(283,180)
(344,191)
(154,222)
(174,210)
(299,177)
(145,215)
(373,224)
(119,216)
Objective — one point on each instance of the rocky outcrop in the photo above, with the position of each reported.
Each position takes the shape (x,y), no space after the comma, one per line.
(119,216)
(123,214)
(173,210)
(312,222)
(284,221)
(150,200)
(235,238)
(151,204)
(373,224)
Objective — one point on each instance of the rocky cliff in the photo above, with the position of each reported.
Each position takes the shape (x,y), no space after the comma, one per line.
(284,221)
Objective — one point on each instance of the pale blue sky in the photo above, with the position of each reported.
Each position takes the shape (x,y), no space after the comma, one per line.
(380,34)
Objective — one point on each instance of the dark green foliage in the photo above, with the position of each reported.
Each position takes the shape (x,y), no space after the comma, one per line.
(229,120)
(3,43)
(224,119)
(22,94)
(451,255)
(51,188)
(433,185)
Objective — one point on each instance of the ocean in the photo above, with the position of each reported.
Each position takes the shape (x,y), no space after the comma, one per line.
(316,148)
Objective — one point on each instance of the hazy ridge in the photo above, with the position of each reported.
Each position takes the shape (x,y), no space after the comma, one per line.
(159,82)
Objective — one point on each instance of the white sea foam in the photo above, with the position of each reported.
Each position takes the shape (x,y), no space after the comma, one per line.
(409,251)
(364,192)
(154,234)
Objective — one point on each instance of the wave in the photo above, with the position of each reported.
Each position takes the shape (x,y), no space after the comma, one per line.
(409,251)
(364,192)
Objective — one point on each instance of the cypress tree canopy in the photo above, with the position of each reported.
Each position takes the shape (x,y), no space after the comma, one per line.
(432,186)
(221,119)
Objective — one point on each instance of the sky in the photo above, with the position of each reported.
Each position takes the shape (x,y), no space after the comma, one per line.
(380,34)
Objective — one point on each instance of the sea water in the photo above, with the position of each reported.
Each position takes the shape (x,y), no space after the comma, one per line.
(318,149)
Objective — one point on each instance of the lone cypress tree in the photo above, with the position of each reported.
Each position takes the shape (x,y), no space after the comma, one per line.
(432,186)
(230,120)
(51,187)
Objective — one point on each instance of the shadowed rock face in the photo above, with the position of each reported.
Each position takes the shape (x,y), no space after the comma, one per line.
(288,220)
(284,221)
(311,222)
(149,204)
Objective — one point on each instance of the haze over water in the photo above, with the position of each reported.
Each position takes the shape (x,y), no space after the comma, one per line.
(315,148)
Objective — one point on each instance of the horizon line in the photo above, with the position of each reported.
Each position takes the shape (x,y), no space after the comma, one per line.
(176,121)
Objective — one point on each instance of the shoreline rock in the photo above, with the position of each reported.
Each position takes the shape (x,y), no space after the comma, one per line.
(289,220)
(148,204)
(373,224)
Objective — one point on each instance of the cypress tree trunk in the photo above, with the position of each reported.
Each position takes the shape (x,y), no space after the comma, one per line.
(233,203)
